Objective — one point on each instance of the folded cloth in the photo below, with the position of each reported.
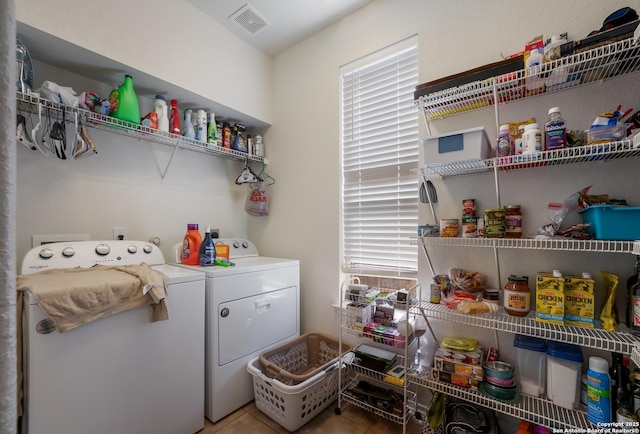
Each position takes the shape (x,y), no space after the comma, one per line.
(75,296)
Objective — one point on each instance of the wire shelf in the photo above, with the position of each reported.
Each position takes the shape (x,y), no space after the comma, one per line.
(29,103)
(600,63)
(578,154)
(559,244)
(409,404)
(596,338)
(536,410)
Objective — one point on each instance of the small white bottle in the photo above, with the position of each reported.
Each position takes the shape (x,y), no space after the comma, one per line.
(160,107)
(533,66)
(532,139)
(201,126)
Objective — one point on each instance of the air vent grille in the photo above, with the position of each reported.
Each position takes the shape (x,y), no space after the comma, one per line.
(249,19)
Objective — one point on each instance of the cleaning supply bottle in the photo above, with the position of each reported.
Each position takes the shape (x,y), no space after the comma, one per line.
(187,128)
(201,126)
(239,141)
(212,133)
(124,102)
(598,391)
(207,250)
(191,245)
(174,118)
(160,107)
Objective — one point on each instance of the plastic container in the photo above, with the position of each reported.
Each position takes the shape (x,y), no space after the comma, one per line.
(207,250)
(555,131)
(124,102)
(598,391)
(564,372)
(531,364)
(212,130)
(160,107)
(174,118)
(470,144)
(201,126)
(609,223)
(532,139)
(293,406)
(188,130)
(191,245)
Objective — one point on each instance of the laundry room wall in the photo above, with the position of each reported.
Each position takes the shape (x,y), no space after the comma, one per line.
(122,185)
(454,36)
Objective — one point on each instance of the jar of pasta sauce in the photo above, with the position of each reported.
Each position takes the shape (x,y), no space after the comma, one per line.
(516,296)
(513,221)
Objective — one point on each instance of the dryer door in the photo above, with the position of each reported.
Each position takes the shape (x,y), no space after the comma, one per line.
(254,323)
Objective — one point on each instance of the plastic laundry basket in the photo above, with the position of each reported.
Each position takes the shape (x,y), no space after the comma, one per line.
(293,406)
(300,359)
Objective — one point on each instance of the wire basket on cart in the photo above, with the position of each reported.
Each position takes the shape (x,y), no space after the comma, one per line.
(294,397)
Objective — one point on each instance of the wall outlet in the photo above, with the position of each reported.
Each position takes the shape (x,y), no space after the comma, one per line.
(119,233)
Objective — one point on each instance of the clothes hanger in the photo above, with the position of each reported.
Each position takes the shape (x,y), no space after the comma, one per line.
(247,175)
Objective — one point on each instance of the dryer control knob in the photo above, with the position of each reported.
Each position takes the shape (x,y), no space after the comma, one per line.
(103,249)
(236,244)
(132,249)
(45,253)
(245,244)
(68,252)
(148,248)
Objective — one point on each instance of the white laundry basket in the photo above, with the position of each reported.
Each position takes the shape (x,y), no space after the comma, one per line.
(293,406)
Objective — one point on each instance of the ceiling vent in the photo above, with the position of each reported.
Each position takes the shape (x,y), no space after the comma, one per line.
(249,19)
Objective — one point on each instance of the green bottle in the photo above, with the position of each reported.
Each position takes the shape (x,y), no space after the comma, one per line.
(124,102)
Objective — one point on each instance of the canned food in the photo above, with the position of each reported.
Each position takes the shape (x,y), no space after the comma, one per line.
(449,228)
(494,224)
(442,280)
(435,293)
(469,227)
(469,207)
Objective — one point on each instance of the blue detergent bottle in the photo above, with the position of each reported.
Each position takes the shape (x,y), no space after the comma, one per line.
(207,250)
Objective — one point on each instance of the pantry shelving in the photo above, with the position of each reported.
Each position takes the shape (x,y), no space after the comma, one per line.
(598,64)
(596,338)
(536,410)
(29,103)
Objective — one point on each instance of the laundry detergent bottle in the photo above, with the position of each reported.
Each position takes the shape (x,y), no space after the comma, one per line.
(124,102)
(160,107)
(207,250)
(191,245)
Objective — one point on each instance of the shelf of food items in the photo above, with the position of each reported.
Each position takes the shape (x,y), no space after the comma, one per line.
(49,112)
(535,74)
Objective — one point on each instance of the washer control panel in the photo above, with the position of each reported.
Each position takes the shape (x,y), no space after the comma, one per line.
(85,254)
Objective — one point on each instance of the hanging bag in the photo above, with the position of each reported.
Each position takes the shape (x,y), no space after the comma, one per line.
(257,203)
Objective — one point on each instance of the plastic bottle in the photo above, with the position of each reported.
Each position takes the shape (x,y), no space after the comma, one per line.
(503,143)
(201,126)
(212,130)
(219,132)
(599,391)
(124,102)
(191,245)
(555,131)
(174,118)
(532,139)
(533,66)
(239,141)
(226,135)
(160,107)
(207,250)
(189,132)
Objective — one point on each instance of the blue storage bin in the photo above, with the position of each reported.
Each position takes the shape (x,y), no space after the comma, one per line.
(612,223)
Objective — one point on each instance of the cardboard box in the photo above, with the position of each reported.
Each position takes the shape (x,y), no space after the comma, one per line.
(460,363)
(579,301)
(471,144)
(549,298)
(358,315)
(458,380)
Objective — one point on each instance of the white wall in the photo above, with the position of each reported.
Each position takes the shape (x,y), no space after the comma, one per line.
(454,36)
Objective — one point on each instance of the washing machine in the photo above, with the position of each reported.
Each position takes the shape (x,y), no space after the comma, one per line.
(121,373)
(251,306)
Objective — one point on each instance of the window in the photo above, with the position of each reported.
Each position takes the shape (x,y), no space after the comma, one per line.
(379,150)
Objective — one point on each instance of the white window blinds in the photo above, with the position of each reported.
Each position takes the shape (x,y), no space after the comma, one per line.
(379,150)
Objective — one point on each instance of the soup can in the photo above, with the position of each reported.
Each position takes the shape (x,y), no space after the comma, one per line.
(469,207)
(449,228)
(469,227)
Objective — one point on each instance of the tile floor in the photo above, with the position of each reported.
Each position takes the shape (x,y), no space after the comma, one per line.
(352,420)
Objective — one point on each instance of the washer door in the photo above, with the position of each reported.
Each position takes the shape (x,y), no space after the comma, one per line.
(253,323)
